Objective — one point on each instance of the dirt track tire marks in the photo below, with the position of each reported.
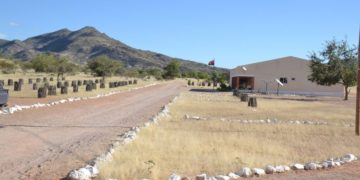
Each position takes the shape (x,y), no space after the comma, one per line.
(48,142)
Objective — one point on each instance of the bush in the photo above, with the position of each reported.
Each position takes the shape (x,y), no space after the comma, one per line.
(224,87)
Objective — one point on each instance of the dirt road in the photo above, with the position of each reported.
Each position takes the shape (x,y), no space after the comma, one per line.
(46,143)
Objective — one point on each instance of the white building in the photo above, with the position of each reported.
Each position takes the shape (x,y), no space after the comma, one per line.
(292,72)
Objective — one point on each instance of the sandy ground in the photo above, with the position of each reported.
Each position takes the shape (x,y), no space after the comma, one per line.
(47,143)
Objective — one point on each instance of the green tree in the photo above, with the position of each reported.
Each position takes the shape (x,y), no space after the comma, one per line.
(202,75)
(172,70)
(7,66)
(336,63)
(25,66)
(50,64)
(156,72)
(63,66)
(44,63)
(104,66)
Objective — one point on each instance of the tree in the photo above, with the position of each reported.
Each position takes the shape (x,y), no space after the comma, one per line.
(104,66)
(7,66)
(202,75)
(156,72)
(335,64)
(63,66)
(172,70)
(44,63)
(25,66)
(50,64)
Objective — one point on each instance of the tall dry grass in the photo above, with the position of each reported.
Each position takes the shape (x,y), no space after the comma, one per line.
(214,146)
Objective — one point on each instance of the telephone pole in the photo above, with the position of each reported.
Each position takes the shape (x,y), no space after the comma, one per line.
(357,121)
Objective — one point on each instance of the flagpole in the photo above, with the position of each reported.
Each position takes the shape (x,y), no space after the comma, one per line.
(357,121)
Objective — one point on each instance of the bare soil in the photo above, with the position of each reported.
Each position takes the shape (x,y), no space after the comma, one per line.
(46,143)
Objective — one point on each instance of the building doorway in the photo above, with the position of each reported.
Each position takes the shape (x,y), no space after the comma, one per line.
(243,82)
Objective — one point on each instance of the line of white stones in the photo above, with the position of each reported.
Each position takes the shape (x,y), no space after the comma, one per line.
(274,121)
(270,169)
(16,108)
(90,170)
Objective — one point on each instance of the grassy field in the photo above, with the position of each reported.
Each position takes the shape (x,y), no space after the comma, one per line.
(28,92)
(218,146)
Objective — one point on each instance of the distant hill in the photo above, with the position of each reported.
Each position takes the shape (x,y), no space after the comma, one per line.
(87,43)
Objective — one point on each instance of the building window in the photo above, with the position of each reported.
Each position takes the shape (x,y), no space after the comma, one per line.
(283,80)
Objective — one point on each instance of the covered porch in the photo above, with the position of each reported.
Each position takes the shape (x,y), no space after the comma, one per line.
(243,82)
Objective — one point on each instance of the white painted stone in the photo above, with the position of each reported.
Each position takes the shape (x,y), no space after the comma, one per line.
(286,168)
(297,166)
(81,174)
(258,171)
(280,169)
(233,176)
(310,166)
(348,158)
(174,177)
(270,169)
(244,172)
(222,177)
(93,170)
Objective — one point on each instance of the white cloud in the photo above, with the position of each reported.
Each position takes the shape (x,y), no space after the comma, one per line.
(13,24)
(2,36)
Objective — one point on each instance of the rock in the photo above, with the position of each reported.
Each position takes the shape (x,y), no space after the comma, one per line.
(81,174)
(348,158)
(337,163)
(233,176)
(174,177)
(93,170)
(187,116)
(222,177)
(211,178)
(258,171)
(325,165)
(201,177)
(270,169)
(286,168)
(310,166)
(244,172)
(297,167)
(280,169)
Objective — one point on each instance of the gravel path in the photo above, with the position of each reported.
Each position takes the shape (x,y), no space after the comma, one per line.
(47,143)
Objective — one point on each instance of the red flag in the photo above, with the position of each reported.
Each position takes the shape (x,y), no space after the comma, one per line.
(212,62)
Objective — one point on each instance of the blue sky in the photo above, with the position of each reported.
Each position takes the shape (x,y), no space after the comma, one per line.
(234,32)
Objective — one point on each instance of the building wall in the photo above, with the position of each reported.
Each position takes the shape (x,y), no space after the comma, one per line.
(296,71)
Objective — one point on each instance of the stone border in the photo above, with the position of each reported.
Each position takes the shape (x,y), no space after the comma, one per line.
(91,171)
(270,169)
(15,108)
(274,121)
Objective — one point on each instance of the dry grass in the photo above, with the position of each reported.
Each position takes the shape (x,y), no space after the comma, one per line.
(190,147)
(28,92)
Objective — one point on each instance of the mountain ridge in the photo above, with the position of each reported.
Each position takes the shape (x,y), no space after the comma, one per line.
(86,43)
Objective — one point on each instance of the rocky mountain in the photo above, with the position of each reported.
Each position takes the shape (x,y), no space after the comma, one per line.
(87,43)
